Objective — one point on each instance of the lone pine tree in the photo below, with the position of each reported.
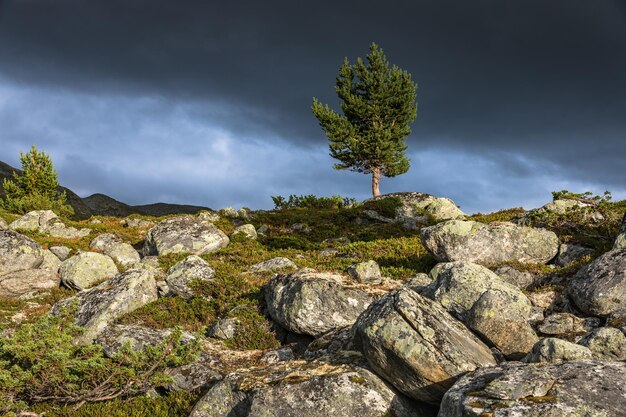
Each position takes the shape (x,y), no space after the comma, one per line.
(378,104)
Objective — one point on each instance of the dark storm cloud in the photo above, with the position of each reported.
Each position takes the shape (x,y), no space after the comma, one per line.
(520,90)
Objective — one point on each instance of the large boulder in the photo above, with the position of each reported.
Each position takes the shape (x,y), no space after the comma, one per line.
(551,349)
(458,285)
(599,289)
(418,347)
(458,240)
(570,389)
(313,303)
(192,268)
(18,252)
(620,241)
(184,234)
(495,317)
(305,389)
(114,247)
(87,269)
(33,221)
(418,208)
(97,307)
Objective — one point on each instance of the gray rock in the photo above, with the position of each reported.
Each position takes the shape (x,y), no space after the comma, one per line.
(193,376)
(18,252)
(224,329)
(414,343)
(418,282)
(569,389)
(305,389)
(27,283)
(50,262)
(102,305)
(366,272)
(136,223)
(495,317)
(56,228)
(521,279)
(274,264)
(548,299)
(313,303)
(606,343)
(458,285)
(87,269)
(3,224)
(569,253)
(192,268)
(562,324)
(487,244)
(278,355)
(599,289)
(114,247)
(184,234)
(620,241)
(61,252)
(262,230)
(229,213)
(34,221)
(551,349)
(247,230)
(209,216)
(330,343)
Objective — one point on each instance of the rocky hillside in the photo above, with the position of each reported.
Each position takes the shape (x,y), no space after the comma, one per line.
(400,306)
(103,205)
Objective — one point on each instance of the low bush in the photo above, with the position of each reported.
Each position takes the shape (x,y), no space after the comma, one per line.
(312,201)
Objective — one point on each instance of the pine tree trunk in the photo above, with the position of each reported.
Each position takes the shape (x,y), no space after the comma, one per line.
(375,182)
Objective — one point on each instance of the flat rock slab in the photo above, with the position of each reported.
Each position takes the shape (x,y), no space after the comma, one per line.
(487,244)
(570,389)
(184,234)
(28,283)
(418,347)
(306,389)
(102,305)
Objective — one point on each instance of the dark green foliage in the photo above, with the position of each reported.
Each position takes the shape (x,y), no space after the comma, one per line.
(586,197)
(312,201)
(378,104)
(386,206)
(498,216)
(40,362)
(36,188)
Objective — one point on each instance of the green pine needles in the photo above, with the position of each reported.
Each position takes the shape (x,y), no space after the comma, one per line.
(378,104)
(36,188)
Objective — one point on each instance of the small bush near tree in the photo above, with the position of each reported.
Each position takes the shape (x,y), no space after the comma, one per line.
(312,201)
(36,188)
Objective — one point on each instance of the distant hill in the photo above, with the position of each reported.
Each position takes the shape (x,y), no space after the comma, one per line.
(103,205)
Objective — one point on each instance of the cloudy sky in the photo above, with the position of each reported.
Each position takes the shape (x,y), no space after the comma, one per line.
(206,102)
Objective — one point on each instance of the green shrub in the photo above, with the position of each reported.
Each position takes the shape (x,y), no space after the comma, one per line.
(39,362)
(385,206)
(36,188)
(312,201)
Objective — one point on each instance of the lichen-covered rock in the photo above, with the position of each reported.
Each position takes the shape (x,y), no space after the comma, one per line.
(495,317)
(56,228)
(366,272)
(620,241)
(180,276)
(184,234)
(600,288)
(111,245)
(569,253)
(458,285)
(246,230)
(606,343)
(34,220)
(18,252)
(521,279)
(551,349)
(458,240)
(414,343)
(224,329)
(305,389)
(209,216)
(87,269)
(418,282)
(99,306)
(569,389)
(28,283)
(313,303)
(274,264)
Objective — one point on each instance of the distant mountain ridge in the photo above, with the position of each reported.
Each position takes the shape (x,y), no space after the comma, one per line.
(103,205)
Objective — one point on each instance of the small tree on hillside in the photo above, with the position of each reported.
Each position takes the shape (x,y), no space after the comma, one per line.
(378,104)
(36,188)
